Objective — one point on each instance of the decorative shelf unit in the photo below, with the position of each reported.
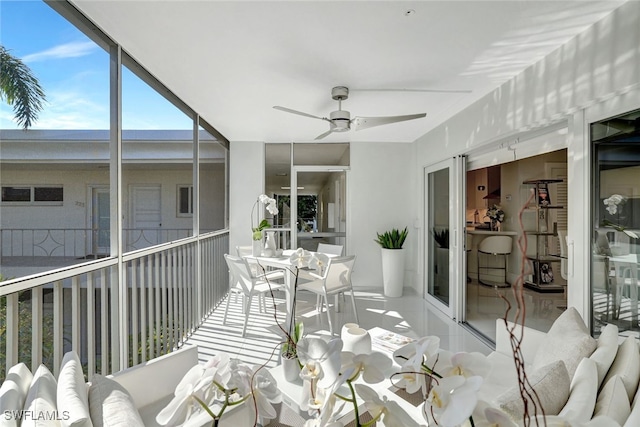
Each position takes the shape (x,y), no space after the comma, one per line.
(542,259)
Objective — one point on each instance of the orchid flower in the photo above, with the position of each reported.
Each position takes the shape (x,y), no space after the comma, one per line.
(392,414)
(194,384)
(325,403)
(412,378)
(300,258)
(320,360)
(319,262)
(371,366)
(418,352)
(265,392)
(452,400)
(466,365)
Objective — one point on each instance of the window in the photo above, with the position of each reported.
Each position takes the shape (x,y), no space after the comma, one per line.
(185,200)
(45,195)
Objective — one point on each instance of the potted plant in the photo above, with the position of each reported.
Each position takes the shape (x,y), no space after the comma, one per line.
(392,261)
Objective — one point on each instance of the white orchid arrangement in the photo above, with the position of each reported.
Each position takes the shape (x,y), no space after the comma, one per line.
(272,208)
(218,385)
(300,259)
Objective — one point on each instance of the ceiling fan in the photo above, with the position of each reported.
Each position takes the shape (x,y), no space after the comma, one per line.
(340,120)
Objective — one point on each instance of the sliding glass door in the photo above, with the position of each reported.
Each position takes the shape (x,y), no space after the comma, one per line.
(441,236)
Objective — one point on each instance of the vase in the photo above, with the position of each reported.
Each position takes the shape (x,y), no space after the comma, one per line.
(393,272)
(494,225)
(256,248)
(356,340)
(270,247)
(291,369)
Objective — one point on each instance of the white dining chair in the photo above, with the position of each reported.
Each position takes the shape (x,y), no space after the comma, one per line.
(244,282)
(336,278)
(326,248)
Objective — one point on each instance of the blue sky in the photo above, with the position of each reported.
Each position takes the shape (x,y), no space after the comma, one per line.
(74,73)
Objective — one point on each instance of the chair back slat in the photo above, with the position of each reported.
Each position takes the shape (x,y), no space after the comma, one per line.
(240,272)
(338,274)
(325,248)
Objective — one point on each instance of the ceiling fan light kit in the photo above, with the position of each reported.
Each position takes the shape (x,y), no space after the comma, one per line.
(340,120)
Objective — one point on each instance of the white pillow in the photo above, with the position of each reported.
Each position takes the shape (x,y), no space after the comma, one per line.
(568,340)
(584,390)
(41,400)
(73,399)
(111,405)
(551,383)
(627,366)
(606,351)
(612,401)
(13,393)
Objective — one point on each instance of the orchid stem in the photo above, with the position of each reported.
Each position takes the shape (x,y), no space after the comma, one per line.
(355,403)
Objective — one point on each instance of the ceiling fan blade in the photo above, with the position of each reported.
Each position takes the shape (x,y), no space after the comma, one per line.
(323,135)
(300,113)
(415,90)
(369,122)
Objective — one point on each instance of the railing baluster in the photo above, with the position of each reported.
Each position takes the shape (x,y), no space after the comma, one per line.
(36,327)
(13,328)
(170,298)
(76,317)
(104,333)
(163,283)
(158,332)
(134,310)
(143,310)
(91,327)
(114,315)
(150,301)
(58,329)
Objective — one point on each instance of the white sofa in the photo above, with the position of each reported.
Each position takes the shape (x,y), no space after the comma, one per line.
(132,397)
(576,376)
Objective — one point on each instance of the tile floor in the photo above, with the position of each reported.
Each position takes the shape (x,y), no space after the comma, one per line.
(409,315)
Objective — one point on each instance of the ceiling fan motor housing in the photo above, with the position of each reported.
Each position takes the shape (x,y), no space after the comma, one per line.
(341,120)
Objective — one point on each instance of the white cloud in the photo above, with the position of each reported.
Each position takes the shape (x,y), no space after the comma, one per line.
(67,50)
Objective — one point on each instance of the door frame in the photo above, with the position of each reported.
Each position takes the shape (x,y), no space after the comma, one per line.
(294,198)
(456,166)
(92,190)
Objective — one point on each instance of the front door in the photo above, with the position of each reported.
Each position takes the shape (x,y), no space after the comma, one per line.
(100,221)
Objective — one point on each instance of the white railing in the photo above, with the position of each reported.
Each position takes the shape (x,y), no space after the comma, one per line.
(79,242)
(114,312)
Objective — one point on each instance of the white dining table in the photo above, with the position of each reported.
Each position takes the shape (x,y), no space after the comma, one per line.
(283,263)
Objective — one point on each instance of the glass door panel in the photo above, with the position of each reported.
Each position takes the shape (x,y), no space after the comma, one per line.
(320,211)
(439,207)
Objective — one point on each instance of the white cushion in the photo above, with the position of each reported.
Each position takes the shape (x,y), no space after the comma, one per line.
(583,392)
(627,366)
(13,392)
(568,340)
(606,350)
(634,416)
(41,400)
(551,383)
(73,399)
(111,405)
(612,401)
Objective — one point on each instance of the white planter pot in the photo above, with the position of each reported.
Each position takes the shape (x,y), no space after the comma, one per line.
(393,272)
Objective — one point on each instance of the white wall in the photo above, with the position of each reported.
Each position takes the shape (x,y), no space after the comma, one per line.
(599,66)
(379,188)
(246,166)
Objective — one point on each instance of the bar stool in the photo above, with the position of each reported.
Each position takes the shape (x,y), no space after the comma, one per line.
(495,246)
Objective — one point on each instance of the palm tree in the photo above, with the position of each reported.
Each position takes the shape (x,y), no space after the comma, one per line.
(20,88)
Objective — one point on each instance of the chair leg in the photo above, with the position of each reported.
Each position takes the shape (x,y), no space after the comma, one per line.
(326,301)
(353,303)
(226,309)
(247,309)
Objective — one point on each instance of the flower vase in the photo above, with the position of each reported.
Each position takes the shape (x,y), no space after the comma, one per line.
(494,225)
(355,339)
(256,248)
(270,248)
(291,368)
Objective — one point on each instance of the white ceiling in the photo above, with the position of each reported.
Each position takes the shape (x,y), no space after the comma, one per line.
(232,61)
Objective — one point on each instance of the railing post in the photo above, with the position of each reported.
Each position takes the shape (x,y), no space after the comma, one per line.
(13,330)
